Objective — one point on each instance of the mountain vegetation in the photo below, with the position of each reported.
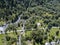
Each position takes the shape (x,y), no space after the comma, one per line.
(45,12)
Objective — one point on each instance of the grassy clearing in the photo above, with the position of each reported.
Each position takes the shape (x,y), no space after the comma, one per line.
(1,39)
(53,33)
(12,35)
(28,32)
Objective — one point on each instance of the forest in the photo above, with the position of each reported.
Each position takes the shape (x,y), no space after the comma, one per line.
(46,13)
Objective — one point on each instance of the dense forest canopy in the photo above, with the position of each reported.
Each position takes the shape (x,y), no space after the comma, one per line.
(47,10)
